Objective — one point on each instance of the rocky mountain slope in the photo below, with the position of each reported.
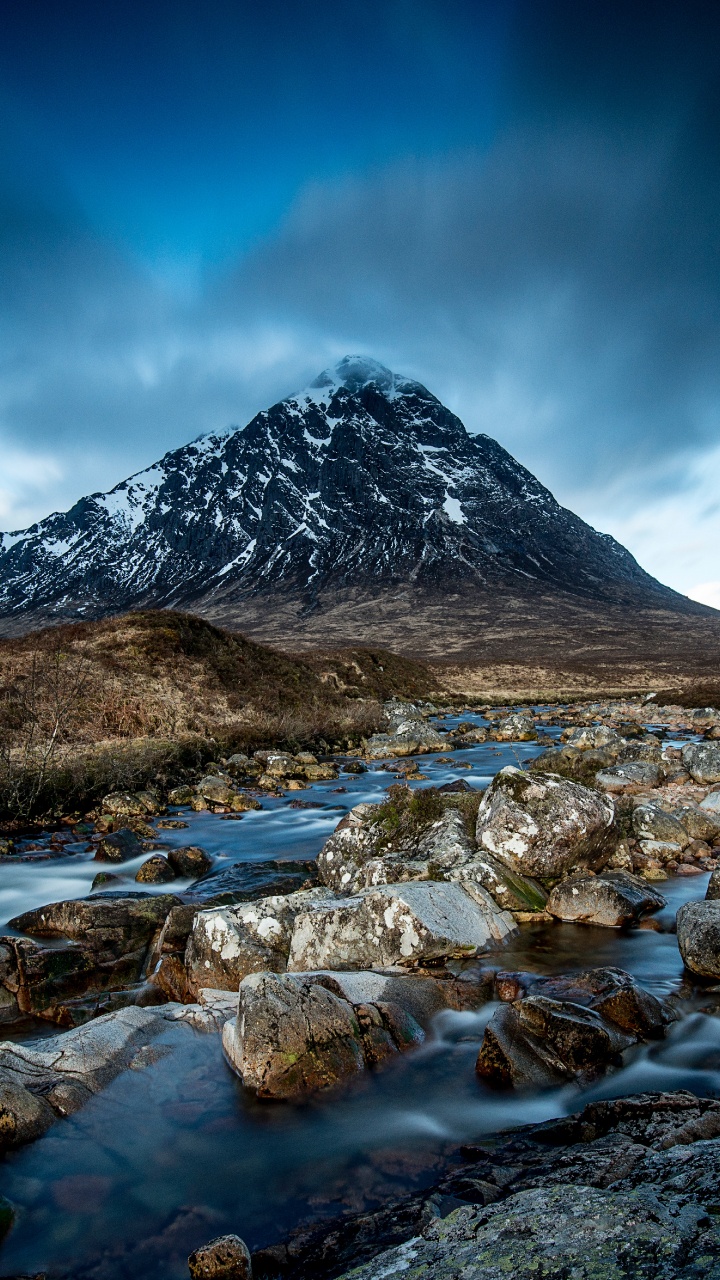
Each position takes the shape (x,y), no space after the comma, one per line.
(364,483)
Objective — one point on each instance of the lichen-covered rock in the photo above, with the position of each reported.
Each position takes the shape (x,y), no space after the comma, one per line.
(565,1232)
(289,1039)
(652,823)
(702,761)
(613,899)
(397,924)
(228,943)
(516,728)
(698,937)
(545,826)
(359,853)
(700,823)
(510,890)
(124,804)
(590,737)
(633,776)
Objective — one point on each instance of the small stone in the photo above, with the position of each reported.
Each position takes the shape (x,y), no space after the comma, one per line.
(156,870)
(226,1258)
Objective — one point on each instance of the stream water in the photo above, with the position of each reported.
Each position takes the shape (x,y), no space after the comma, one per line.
(169,1156)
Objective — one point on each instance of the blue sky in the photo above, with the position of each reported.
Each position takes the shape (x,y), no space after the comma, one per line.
(201,205)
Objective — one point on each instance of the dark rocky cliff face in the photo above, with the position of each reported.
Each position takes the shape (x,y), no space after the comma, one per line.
(365,480)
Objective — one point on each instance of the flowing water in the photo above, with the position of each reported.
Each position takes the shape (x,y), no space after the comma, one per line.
(169,1156)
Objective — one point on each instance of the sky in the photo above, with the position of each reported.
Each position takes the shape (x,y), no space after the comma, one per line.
(203,204)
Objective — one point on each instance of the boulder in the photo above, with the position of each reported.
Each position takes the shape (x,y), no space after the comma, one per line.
(397,924)
(545,826)
(156,870)
(190,862)
(320,772)
(516,728)
(711,803)
(651,823)
(281,765)
(359,853)
(181,795)
(629,777)
(228,943)
(119,846)
(700,823)
(698,937)
(510,890)
(540,1041)
(590,737)
(138,804)
(702,761)
(613,994)
(294,1035)
(613,899)
(225,1258)
(110,937)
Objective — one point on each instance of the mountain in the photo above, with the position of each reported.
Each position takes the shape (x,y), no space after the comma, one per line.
(359,488)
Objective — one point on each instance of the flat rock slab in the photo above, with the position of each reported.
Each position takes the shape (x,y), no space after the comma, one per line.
(395,924)
(612,899)
(558,1232)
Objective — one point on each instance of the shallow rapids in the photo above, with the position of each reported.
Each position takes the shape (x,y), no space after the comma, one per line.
(172,1155)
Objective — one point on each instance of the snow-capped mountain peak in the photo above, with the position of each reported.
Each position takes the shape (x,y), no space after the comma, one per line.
(364,479)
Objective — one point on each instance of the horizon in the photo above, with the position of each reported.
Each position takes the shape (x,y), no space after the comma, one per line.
(512,203)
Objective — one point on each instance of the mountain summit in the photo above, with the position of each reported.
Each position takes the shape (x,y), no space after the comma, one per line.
(362,482)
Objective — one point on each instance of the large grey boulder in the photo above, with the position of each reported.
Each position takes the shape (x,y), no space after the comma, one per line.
(702,761)
(591,737)
(698,937)
(293,1036)
(612,899)
(398,924)
(539,1041)
(228,943)
(408,733)
(545,826)
(565,1232)
(651,823)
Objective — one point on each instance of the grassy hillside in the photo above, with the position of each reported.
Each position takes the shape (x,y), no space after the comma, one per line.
(118,701)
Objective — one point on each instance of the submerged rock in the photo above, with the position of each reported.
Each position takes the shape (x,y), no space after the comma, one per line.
(545,826)
(156,870)
(613,898)
(394,924)
(190,862)
(119,846)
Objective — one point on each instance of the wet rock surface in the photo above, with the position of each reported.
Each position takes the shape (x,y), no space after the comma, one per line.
(563,1029)
(612,898)
(647,1164)
(698,936)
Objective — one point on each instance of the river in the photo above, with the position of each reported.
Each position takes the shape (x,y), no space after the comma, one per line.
(167,1157)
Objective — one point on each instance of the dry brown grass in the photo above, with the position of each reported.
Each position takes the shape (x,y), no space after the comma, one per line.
(89,706)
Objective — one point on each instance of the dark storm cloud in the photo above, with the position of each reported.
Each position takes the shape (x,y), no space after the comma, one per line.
(555,279)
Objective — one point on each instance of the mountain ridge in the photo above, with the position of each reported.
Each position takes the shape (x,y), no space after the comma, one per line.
(362,481)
